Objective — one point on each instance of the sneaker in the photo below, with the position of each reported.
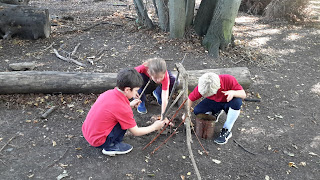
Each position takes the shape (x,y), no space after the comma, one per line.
(157,96)
(218,114)
(119,148)
(142,108)
(224,136)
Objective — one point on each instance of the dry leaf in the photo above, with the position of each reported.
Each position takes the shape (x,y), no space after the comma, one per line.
(54,143)
(182,177)
(189,173)
(292,164)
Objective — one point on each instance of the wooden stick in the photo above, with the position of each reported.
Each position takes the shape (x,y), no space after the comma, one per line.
(166,125)
(185,77)
(45,115)
(166,140)
(75,49)
(8,142)
(145,87)
(243,147)
(176,100)
(68,59)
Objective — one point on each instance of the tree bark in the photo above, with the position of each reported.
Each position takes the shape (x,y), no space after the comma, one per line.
(177,14)
(84,82)
(163,14)
(143,14)
(220,30)
(204,16)
(24,21)
(189,12)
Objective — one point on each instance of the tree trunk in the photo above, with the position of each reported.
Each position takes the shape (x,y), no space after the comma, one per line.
(84,82)
(189,12)
(177,14)
(204,16)
(220,30)
(17,2)
(163,14)
(143,14)
(24,21)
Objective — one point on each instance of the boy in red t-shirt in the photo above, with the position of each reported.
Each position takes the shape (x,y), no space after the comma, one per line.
(111,115)
(221,92)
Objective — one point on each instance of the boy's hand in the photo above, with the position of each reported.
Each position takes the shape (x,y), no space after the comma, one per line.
(135,103)
(166,120)
(229,94)
(158,124)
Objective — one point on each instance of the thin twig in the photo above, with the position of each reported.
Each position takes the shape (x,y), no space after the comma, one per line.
(176,100)
(244,148)
(55,161)
(199,140)
(75,49)
(166,125)
(145,87)
(166,140)
(68,59)
(8,142)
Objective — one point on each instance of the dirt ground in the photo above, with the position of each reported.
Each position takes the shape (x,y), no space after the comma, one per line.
(279,136)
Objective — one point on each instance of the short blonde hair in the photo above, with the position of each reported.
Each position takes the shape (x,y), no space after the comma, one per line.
(208,84)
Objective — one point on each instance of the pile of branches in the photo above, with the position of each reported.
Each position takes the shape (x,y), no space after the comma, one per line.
(290,10)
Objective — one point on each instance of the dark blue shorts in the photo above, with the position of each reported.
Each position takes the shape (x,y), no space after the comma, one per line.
(208,105)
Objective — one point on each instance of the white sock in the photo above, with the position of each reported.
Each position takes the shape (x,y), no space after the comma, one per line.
(232,116)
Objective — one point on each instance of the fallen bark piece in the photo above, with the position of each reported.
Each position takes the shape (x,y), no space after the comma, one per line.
(86,82)
(22,66)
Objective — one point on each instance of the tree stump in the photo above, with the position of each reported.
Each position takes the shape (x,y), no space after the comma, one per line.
(205,126)
(24,21)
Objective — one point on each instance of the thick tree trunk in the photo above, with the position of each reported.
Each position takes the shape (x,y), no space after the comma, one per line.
(204,16)
(17,2)
(177,14)
(84,82)
(190,12)
(220,31)
(163,14)
(24,21)
(143,14)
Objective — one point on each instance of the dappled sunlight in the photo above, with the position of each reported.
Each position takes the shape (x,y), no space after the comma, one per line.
(316,88)
(246,19)
(293,37)
(260,41)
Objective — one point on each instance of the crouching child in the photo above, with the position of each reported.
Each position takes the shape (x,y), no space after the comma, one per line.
(220,92)
(111,116)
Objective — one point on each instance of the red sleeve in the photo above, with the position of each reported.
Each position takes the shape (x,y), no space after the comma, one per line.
(231,82)
(195,95)
(142,69)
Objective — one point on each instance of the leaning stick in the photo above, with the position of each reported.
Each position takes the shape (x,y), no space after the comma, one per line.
(165,141)
(166,125)
(145,87)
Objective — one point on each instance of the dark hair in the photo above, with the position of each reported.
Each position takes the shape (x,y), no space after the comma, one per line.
(129,77)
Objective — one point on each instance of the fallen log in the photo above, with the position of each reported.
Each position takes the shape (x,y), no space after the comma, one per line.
(17,2)
(24,21)
(86,82)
